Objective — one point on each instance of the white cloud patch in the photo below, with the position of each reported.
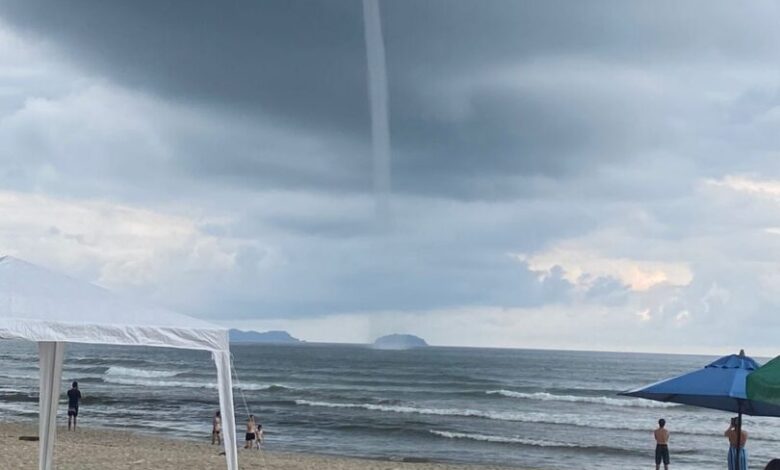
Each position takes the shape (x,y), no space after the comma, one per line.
(644,315)
(582,266)
(682,317)
(746,184)
(115,245)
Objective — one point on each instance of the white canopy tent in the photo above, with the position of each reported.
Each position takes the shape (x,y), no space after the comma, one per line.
(52,309)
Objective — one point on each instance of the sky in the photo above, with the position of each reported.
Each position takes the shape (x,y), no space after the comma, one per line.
(583,176)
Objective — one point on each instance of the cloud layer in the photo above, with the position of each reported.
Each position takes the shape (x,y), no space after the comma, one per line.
(601,177)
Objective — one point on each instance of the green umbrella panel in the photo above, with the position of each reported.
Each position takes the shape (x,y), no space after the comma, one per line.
(763,384)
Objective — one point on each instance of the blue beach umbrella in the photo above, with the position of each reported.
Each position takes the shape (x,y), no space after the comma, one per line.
(720,385)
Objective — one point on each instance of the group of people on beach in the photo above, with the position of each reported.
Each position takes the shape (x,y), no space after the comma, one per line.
(737,440)
(254,432)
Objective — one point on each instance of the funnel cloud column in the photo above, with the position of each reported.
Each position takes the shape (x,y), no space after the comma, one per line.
(377,92)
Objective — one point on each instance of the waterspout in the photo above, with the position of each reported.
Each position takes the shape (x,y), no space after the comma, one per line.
(377,93)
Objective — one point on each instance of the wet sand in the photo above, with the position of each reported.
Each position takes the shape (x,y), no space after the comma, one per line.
(119,450)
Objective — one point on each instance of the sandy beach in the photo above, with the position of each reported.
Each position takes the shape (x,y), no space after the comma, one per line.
(102,449)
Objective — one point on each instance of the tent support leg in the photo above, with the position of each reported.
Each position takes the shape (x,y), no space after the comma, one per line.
(51,355)
(225,383)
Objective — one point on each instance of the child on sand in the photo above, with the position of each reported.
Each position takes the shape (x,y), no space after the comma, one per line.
(258,436)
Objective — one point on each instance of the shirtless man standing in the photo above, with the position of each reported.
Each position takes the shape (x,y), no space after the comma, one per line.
(250,432)
(661,445)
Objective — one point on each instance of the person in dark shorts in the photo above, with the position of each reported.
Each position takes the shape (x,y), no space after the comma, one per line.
(661,445)
(74,398)
(250,432)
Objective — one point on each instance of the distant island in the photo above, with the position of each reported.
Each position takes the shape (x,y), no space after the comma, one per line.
(276,337)
(399,342)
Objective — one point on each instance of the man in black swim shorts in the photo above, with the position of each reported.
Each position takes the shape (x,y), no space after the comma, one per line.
(250,432)
(74,398)
(661,445)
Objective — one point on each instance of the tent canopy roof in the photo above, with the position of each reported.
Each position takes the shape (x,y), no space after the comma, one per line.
(40,305)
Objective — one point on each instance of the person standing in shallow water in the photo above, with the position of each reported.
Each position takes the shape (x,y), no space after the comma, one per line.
(734,440)
(250,432)
(661,445)
(74,398)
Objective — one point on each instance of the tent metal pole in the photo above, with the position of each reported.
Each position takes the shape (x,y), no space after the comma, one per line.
(227,410)
(50,358)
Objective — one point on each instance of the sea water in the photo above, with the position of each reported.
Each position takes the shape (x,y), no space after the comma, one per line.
(541,409)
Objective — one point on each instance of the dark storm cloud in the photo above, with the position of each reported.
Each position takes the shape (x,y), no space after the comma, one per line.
(297,59)
(302,65)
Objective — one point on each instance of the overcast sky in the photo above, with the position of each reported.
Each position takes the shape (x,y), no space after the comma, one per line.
(598,175)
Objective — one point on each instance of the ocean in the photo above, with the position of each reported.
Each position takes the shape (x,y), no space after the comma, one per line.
(533,408)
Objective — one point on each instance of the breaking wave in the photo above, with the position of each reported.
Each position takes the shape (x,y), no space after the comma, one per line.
(501,439)
(142,373)
(609,401)
(542,443)
(181,383)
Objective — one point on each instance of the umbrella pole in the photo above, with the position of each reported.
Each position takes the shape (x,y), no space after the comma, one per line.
(737,464)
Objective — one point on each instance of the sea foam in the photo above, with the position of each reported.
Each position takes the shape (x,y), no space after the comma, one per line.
(150,382)
(609,401)
(142,373)
(501,439)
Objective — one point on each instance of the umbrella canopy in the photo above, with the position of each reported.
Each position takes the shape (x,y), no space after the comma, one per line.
(720,385)
(764,384)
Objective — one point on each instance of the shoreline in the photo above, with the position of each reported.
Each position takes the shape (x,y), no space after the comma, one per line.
(101,448)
